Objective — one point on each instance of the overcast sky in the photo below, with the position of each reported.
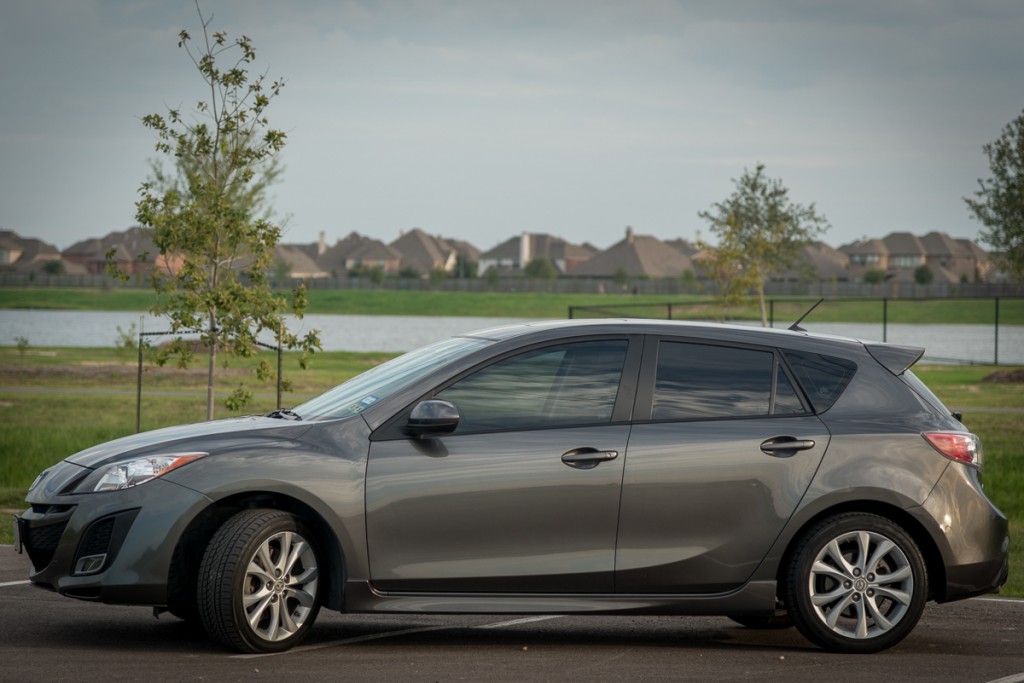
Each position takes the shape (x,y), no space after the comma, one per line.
(481,119)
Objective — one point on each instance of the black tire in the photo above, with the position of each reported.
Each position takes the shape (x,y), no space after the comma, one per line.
(857,583)
(246,575)
(770,622)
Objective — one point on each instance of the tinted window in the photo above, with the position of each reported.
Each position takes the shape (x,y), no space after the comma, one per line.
(787,401)
(696,381)
(823,378)
(569,384)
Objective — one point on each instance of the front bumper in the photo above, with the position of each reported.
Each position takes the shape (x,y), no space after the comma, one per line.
(111,547)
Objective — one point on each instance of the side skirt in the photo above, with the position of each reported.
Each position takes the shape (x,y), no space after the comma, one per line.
(754,598)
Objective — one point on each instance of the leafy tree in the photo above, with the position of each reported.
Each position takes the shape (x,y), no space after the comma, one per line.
(210,213)
(438,276)
(688,279)
(874,276)
(999,201)
(408,273)
(282,270)
(540,268)
(923,275)
(760,230)
(465,267)
(53,268)
(621,277)
(723,266)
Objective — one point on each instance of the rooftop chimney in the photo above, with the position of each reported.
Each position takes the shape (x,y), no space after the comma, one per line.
(321,246)
(629,235)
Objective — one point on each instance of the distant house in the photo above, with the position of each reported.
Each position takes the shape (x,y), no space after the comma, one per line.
(298,263)
(949,260)
(28,255)
(637,256)
(818,261)
(983,269)
(899,254)
(423,253)
(133,251)
(512,255)
(357,251)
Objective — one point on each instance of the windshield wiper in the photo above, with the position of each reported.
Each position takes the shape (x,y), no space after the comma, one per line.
(284,414)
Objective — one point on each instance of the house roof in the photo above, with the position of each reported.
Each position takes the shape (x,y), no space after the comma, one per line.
(825,261)
(132,242)
(872,246)
(355,247)
(421,251)
(300,263)
(904,244)
(941,244)
(471,252)
(638,255)
(973,249)
(683,246)
(541,245)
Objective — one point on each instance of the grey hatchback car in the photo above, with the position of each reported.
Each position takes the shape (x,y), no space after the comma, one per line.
(585,467)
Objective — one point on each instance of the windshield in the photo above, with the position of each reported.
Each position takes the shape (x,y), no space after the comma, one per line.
(362,391)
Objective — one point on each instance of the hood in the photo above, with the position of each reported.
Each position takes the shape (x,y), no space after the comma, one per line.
(201,436)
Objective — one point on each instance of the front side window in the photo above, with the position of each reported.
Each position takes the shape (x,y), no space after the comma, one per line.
(556,386)
(700,381)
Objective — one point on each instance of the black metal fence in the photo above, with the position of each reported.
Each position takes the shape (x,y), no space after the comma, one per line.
(793,308)
(571,285)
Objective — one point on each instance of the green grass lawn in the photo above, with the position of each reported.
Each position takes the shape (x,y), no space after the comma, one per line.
(40,429)
(551,305)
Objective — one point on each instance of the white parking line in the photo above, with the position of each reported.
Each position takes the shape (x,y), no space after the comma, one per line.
(1013,601)
(1012,678)
(394,634)
(527,620)
(13,583)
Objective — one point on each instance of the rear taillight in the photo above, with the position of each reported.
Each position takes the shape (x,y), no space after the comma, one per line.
(956,446)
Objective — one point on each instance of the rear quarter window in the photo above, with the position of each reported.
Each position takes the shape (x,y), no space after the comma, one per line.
(823,378)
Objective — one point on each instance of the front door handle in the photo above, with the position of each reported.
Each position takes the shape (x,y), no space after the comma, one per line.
(587,458)
(785,446)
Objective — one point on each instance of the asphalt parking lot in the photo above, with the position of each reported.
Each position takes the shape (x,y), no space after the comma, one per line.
(44,637)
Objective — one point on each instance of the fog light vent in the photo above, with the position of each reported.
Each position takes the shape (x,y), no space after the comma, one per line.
(90,564)
(101,542)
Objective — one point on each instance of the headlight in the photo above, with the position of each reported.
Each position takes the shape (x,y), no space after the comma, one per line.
(128,473)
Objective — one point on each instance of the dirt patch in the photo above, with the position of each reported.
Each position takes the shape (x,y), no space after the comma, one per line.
(1005,376)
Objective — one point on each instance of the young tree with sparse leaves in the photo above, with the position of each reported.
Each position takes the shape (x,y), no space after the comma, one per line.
(999,201)
(760,231)
(210,214)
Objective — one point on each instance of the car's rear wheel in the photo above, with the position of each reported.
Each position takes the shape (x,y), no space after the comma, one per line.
(259,582)
(857,583)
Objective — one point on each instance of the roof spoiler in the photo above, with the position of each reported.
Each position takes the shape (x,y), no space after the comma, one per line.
(895,359)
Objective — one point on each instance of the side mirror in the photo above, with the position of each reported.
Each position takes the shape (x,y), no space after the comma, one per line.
(432,417)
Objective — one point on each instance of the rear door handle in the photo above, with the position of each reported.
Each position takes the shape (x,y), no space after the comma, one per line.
(587,458)
(785,446)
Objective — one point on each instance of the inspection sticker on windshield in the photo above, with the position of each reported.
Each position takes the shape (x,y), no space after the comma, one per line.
(363,403)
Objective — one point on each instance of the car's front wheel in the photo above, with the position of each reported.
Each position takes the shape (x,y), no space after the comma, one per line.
(259,582)
(857,583)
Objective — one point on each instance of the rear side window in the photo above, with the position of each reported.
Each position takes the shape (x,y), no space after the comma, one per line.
(823,378)
(700,381)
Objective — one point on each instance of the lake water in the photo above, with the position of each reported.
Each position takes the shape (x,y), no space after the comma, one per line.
(975,343)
